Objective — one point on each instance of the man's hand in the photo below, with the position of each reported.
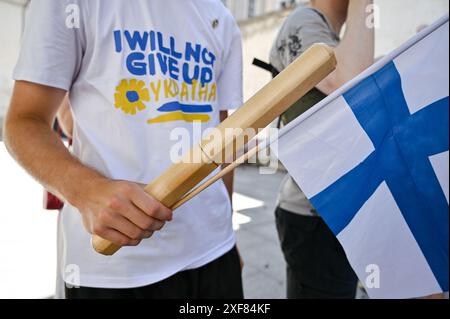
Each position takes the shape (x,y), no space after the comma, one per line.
(121,212)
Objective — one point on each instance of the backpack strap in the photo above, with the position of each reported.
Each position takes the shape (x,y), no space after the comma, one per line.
(265,66)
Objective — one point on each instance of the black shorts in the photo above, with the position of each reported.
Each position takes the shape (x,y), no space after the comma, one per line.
(220,279)
(317,266)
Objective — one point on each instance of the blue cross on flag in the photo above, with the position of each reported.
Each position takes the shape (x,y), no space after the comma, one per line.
(373,159)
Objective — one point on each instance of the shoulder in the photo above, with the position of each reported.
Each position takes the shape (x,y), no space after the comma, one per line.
(215,9)
(215,5)
(305,16)
(222,24)
(225,16)
(53,11)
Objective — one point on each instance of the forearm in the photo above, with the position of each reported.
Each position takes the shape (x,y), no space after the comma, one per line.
(356,51)
(38,149)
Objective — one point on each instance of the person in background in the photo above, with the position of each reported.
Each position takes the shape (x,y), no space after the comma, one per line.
(317,266)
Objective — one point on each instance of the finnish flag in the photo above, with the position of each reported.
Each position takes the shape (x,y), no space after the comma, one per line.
(373,158)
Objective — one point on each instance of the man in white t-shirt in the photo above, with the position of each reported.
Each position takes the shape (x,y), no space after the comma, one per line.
(135,72)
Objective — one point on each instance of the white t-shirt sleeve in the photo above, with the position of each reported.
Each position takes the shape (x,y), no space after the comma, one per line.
(230,83)
(52,48)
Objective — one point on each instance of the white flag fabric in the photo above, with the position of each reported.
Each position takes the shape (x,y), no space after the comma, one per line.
(373,158)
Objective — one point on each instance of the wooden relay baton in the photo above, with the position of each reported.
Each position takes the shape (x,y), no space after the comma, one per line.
(257,113)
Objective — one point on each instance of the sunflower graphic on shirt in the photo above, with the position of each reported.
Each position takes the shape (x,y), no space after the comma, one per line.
(130,96)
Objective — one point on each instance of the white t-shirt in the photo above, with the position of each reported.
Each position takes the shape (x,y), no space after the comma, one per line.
(137,70)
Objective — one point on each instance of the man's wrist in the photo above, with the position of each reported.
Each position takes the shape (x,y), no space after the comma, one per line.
(79,184)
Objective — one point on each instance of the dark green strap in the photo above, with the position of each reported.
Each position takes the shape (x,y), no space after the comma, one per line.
(301,106)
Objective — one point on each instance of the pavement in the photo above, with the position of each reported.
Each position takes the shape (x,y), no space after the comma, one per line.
(254,201)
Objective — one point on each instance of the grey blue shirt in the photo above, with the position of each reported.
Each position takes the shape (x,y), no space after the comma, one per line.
(303,28)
